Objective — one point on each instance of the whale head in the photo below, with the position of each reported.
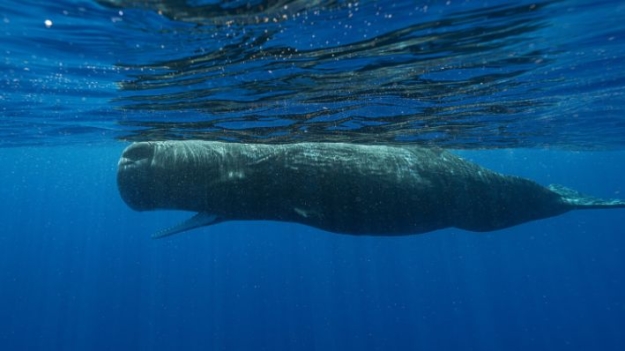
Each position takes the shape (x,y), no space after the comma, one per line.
(166,175)
(137,177)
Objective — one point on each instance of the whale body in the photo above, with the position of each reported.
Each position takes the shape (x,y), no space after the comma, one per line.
(337,187)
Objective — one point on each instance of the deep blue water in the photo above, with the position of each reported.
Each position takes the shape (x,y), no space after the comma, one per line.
(78,270)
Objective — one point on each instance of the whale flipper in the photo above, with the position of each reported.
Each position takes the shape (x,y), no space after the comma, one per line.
(582,201)
(199,220)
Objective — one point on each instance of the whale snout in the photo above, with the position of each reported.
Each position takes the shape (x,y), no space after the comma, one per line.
(135,176)
(136,155)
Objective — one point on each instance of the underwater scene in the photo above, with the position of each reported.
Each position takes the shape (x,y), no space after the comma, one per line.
(312,175)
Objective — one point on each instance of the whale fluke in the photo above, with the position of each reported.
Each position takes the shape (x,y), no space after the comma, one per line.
(582,201)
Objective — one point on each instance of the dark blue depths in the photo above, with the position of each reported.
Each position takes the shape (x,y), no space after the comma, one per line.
(78,271)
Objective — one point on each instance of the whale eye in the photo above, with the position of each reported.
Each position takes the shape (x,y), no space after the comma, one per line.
(139,151)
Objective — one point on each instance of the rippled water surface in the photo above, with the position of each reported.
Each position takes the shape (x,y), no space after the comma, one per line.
(461,74)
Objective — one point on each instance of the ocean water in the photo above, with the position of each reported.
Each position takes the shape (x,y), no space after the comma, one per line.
(535,89)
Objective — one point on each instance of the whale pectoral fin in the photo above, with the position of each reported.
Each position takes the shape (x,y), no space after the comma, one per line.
(199,220)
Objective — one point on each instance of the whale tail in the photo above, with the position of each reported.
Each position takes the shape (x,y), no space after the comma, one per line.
(577,200)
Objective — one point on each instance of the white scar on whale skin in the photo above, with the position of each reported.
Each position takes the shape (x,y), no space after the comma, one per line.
(337,187)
